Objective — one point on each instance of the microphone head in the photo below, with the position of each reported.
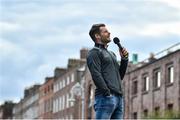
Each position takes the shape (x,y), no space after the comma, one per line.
(116,40)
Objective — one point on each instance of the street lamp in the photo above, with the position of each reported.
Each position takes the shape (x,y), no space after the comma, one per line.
(78,89)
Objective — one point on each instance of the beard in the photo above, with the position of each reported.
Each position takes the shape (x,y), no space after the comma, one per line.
(106,40)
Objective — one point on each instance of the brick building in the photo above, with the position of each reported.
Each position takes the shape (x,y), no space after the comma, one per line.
(69,94)
(66,81)
(54,98)
(66,106)
(89,95)
(28,106)
(153,86)
(17,110)
(150,86)
(6,110)
(46,99)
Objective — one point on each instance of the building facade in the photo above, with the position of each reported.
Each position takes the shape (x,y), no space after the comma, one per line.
(67,99)
(59,97)
(153,87)
(27,108)
(6,110)
(89,95)
(17,110)
(46,99)
(65,104)
(150,87)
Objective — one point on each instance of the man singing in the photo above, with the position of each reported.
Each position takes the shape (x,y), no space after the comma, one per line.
(107,74)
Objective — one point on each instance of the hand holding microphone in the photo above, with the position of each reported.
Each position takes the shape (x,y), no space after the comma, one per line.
(123,52)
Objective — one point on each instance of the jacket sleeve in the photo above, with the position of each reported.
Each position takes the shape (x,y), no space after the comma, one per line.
(123,67)
(94,65)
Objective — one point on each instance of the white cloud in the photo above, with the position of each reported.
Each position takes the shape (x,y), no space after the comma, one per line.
(15,53)
(45,70)
(9,26)
(123,30)
(9,49)
(172,3)
(151,29)
(161,29)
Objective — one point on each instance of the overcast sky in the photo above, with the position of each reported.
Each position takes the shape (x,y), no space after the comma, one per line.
(36,36)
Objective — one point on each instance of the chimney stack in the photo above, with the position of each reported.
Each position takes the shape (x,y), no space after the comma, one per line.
(83,53)
(59,72)
(151,57)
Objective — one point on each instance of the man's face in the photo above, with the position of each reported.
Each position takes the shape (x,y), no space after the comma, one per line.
(105,35)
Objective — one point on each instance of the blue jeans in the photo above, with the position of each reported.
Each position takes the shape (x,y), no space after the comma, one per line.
(109,107)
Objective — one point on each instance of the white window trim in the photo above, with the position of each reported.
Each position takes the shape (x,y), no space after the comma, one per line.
(72,77)
(158,79)
(171,74)
(147,83)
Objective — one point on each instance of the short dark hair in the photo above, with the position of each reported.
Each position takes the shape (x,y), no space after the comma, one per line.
(94,30)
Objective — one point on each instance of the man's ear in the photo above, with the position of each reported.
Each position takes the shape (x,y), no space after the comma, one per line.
(97,36)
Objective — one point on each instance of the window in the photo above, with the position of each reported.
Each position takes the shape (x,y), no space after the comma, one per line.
(45,108)
(67,100)
(72,77)
(145,83)
(68,80)
(135,87)
(54,106)
(170,109)
(57,104)
(157,79)
(63,83)
(47,105)
(54,87)
(157,111)
(48,89)
(63,101)
(42,92)
(59,107)
(170,106)
(145,113)
(72,103)
(45,91)
(135,115)
(170,74)
(51,104)
(57,85)
(71,116)
(60,84)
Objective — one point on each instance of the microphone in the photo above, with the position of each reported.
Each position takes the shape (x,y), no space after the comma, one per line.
(117,42)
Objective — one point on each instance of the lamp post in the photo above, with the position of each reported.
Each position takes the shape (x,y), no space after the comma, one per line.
(78,89)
